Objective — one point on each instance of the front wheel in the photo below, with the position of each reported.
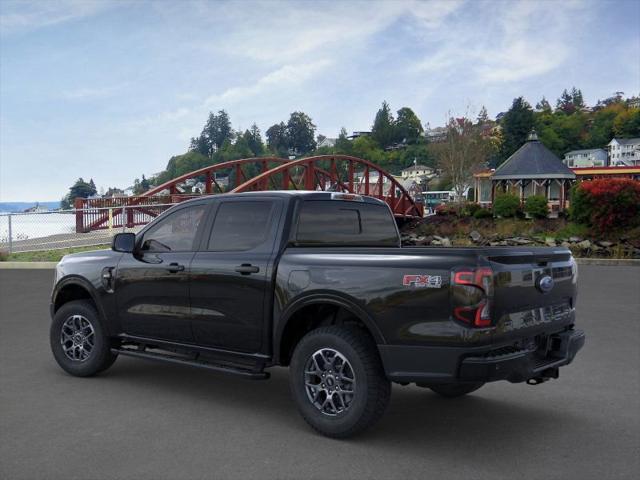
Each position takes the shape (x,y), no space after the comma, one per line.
(452,390)
(338,382)
(79,341)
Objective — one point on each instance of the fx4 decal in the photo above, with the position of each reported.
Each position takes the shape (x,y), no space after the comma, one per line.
(423,281)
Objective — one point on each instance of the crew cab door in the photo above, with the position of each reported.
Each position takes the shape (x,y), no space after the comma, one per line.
(232,272)
(152,284)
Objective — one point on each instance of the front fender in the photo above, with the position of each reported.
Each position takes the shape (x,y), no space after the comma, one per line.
(90,288)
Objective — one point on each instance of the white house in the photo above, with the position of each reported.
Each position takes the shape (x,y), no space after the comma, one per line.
(593,157)
(417,172)
(327,142)
(624,152)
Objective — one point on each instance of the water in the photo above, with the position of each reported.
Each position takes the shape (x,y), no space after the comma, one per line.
(36,225)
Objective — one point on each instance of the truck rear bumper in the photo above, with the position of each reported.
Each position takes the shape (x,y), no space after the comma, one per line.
(422,364)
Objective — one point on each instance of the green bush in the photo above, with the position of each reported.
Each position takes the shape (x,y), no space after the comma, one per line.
(536,206)
(506,205)
(469,209)
(483,213)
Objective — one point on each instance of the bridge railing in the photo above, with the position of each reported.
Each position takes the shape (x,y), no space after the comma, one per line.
(104,213)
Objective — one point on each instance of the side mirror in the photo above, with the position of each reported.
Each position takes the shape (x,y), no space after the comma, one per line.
(124,242)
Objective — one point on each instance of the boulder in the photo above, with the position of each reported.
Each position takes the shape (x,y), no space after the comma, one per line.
(519,241)
(475,236)
(585,244)
(575,239)
(446,242)
(605,244)
(550,241)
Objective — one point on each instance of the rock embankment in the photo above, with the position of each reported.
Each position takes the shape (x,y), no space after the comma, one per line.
(579,246)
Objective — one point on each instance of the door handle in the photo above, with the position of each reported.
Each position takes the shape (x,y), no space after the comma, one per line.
(247,269)
(175,267)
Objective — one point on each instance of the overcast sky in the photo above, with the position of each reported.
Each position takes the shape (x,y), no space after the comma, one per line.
(111,90)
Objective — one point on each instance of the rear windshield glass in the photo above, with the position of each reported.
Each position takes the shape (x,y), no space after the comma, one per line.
(335,222)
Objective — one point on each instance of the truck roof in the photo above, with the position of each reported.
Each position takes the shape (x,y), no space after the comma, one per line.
(306,194)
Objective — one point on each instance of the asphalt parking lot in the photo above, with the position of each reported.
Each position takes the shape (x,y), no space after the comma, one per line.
(146,420)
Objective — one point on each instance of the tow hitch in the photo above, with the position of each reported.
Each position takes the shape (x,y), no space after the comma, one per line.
(545,375)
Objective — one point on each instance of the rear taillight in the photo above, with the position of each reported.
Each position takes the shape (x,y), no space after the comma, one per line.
(473,288)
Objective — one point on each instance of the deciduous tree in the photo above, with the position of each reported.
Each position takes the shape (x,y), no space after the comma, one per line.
(463,152)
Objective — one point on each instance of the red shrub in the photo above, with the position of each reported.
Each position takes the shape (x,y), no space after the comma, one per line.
(607,203)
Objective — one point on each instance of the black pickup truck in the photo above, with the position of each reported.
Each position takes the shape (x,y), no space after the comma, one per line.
(319,282)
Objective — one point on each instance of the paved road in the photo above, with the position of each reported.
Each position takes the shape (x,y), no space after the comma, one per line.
(149,421)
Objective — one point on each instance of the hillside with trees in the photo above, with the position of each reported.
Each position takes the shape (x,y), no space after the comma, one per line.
(397,140)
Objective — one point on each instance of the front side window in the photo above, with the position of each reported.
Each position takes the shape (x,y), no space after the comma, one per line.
(241,226)
(176,232)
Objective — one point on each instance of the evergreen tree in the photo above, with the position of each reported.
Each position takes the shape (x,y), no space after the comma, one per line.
(144,183)
(483,116)
(253,138)
(200,145)
(216,131)
(565,103)
(382,130)
(301,133)
(517,123)
(277,140)
(543,106)
(80,189)
(343,144)
(576,99)
(408,126)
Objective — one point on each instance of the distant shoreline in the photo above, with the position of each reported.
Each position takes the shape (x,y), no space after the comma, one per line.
(18,207)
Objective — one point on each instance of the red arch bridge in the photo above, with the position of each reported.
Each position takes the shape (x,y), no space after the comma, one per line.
(336,173)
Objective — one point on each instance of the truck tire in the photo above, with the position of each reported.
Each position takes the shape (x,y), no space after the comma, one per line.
(337,381)
(79,341)
(453,390)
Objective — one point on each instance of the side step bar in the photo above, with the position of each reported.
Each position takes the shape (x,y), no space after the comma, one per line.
(248,374)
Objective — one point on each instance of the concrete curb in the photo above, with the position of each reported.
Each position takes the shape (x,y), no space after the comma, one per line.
(612,262)
(27,265)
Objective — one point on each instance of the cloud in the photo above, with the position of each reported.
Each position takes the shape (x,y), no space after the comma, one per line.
(281,32)
(526,40)
(284,77)
(23,15)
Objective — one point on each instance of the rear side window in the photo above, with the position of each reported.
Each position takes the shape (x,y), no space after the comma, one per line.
(334,222)
(240,226)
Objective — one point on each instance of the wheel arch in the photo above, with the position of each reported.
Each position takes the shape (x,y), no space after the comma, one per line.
(73,288)
(313,310)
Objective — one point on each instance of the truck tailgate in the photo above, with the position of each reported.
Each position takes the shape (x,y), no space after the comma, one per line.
(535,291)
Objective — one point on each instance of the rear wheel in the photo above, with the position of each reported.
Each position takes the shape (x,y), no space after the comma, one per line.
(337,381)
(452,390)
(79,341)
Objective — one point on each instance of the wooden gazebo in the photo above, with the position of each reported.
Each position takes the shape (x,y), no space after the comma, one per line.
(532,170)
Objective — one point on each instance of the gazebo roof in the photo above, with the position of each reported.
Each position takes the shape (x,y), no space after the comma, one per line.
(532,160)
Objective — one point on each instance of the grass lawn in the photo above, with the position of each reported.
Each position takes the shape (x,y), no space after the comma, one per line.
(46,255)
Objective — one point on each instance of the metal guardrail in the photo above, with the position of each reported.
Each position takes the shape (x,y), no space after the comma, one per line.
(57,229)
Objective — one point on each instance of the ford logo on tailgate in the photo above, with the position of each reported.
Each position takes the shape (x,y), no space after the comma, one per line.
(544,283)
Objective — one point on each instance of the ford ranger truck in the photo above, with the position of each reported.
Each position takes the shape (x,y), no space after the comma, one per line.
(318,282)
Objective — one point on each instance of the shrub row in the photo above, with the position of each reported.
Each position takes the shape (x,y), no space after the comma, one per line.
(606,204)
